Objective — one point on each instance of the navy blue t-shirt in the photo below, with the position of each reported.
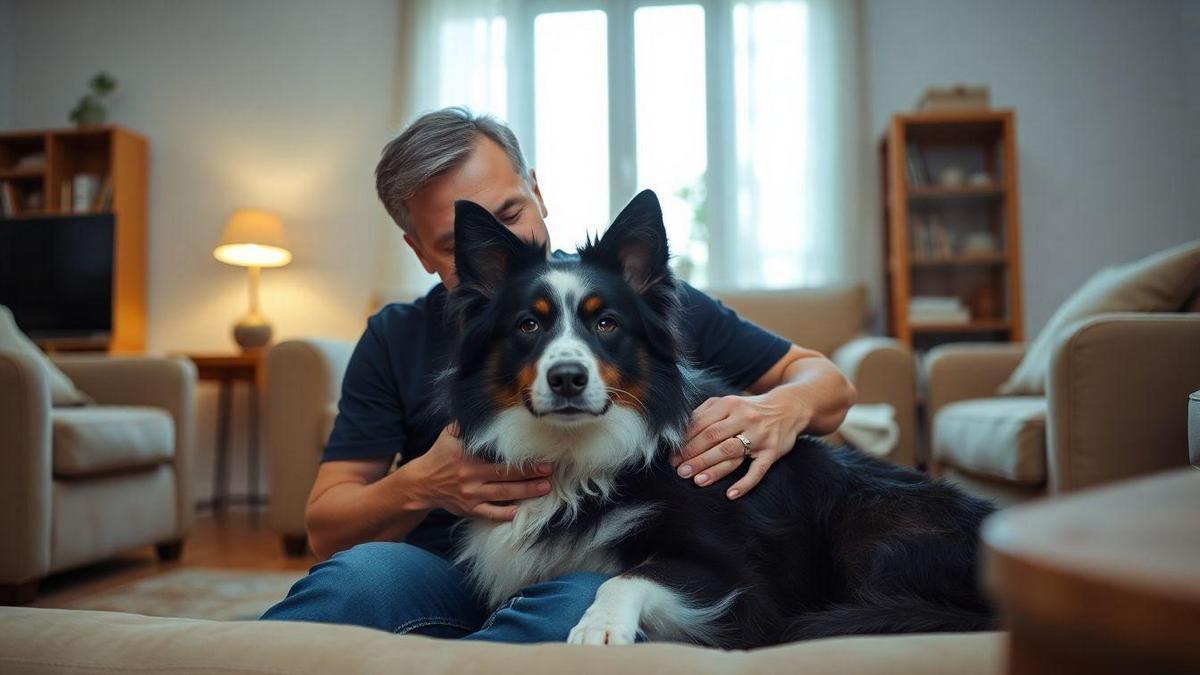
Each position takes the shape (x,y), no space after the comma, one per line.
(384,410)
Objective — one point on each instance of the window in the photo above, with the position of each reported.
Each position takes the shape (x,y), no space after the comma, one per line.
(571,122)
(740,114)
(671,126)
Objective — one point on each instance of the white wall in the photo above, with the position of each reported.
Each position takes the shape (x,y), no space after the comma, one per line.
(7,55)
(1101,91)
(283,104)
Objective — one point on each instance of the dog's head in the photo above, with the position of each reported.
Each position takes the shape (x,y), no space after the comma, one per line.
(559,353)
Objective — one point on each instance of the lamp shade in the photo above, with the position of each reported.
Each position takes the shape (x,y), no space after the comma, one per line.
(253,238)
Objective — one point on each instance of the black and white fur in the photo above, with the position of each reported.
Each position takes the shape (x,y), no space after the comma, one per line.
(579,362)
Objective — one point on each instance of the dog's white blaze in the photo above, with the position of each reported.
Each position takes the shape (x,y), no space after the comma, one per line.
(626,604)
(569,290)
(568,286)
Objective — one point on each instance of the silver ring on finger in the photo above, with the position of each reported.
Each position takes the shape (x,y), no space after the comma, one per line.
(746,444)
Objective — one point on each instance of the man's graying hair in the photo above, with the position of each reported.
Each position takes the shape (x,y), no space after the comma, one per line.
(434,144)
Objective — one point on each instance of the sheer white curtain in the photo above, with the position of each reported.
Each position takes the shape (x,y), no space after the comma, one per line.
(795,135)
(782,122)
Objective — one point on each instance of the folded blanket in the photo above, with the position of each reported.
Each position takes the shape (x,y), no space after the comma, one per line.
(871,427)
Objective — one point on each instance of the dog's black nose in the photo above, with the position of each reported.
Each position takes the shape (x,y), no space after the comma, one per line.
(567,379)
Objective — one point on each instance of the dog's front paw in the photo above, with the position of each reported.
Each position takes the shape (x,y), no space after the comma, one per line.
(603,628)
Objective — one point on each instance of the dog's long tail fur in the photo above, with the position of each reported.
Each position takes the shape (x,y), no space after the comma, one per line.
(900,615)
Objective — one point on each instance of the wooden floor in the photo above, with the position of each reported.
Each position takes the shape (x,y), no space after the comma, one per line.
(239,539)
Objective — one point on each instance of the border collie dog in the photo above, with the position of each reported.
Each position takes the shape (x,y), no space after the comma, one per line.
(578,361)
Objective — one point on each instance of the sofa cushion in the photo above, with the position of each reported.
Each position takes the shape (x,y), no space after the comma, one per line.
(995,437)
(36,641)
(1162,282)
(62,389)
(104,438)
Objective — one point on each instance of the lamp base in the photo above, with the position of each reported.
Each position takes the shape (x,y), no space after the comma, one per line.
(252,332)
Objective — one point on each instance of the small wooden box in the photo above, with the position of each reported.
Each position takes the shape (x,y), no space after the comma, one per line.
(957,97)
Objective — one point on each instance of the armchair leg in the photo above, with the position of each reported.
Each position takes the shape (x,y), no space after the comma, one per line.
(18,594)
(295,545)
(169,551)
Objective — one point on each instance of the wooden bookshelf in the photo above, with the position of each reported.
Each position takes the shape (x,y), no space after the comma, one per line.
(934,227)
(118,157)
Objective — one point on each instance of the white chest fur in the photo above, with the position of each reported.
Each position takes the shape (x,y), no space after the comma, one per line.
(506,557)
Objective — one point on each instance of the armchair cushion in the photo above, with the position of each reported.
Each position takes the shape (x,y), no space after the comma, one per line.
(62,389)
(994,437)
(103,439)
(1162,282)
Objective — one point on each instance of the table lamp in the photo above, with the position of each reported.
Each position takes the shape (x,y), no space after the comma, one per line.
(253,239)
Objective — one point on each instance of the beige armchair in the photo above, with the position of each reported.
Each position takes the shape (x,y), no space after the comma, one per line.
(304,380)
(1116,406)
(82,483)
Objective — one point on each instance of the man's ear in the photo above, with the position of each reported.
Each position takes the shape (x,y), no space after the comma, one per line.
(416,248)
(485,251)
(635,245)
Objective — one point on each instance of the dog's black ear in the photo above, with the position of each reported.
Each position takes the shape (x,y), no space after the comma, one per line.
(635,244)
(485,251)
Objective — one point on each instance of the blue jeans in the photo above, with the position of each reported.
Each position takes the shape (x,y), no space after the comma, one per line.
(405,589)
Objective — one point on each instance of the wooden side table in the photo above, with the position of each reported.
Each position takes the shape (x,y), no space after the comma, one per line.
(1105,581)
(228,370)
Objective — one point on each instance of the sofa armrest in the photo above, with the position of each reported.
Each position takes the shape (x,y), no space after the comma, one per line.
(158,381)
(883,370)
(304,378)
(961,371)
(1118,389)
(25,480)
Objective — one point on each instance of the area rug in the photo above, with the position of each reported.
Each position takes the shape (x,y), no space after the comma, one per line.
(197,593)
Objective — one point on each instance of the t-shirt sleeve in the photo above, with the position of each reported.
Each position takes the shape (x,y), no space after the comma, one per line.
(734,349)
(370,418)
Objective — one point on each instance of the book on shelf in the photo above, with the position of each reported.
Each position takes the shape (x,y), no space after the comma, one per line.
(924,309)
(958,317)
(64,196)
(917,172)
(9,204)
(931,238)
(103,201)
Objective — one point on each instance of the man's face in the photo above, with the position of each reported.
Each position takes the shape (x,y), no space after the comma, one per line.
(486,177)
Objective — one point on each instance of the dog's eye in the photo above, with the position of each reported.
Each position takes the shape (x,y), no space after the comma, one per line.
(606,325)
(529,326)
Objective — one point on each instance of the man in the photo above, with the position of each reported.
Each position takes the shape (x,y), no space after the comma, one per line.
(411,587)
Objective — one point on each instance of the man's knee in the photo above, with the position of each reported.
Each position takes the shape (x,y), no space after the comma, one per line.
(369,584)
(573,592)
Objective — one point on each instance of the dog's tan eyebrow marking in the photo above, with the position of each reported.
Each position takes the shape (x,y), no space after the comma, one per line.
(592,304)
(541,306)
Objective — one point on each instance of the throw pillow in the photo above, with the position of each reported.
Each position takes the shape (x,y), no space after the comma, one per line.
(1158,283)
(62,389)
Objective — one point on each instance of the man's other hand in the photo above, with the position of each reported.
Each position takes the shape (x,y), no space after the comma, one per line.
(465,485)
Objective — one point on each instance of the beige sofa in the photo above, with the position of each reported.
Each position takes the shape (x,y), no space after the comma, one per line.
(304,379)
(1116,406)
(84,482)
(54,641)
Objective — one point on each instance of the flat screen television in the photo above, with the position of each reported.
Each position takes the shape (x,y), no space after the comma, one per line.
(56,274)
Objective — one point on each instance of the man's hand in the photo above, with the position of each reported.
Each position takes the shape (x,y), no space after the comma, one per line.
(710,450)
(450,479)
